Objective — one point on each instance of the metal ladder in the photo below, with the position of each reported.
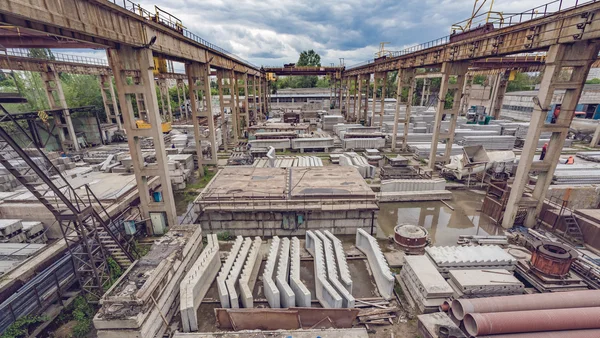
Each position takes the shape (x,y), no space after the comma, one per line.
(89,235)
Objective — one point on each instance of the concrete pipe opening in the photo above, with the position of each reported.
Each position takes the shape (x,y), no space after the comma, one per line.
(457,309)
(470,325)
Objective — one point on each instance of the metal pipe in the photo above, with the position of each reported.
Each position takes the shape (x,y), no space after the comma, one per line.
(553,334)
(540,301)
(477,324)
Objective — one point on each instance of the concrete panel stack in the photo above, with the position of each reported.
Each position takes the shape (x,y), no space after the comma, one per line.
(379,266)
(312,143)
(414,190)
(397,168)
(340,257)
(352,159)
(421,149)
(288,298)
(363,143)
(280,144)
(490,142)
(325,292)
(341,127)
(331,120)
(421,281)
(250,273)
(332,271)
(11,231)
(459,134)
(484,283)
(234,274)
(196,282)
(448,258)
(35,232)
(300,290)
(142,301)
(270,288)
(225,270)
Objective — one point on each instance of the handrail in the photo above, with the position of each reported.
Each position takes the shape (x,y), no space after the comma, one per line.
(20,52)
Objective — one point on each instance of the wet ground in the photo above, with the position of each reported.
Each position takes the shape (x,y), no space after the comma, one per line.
(443,223)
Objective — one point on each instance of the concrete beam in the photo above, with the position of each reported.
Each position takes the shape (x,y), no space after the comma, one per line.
(325,292)
(379,266)
(225,270)
(288,298)
(234,274)
(250,273)
(332,271)
(342,264)
(270,288)
(300,290)
(196,283)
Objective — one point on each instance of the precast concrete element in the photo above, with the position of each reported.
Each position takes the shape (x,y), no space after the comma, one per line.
(288,298)
(532,321)
(539,301)
(225,269)
(234,274)
(196,282)
(449,258)
(312,143)
(379,266)
(413,185)
(325,292)
(250,273)
(332,271)
(591,333)
(344,271)
(280,144)
(270,288)
(300,290)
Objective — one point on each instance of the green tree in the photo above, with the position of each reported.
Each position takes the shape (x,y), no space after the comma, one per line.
(308,58)
(41,53)
(593,81)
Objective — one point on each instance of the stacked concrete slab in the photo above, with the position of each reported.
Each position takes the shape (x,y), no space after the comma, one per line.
(363,143)
(300,290)
(332,271)
(421,281)
(414,190)
(11,231)
(196,283)
(352,159)
(35,232)
(234,274)
(379,266)
(491,142)
(484,283)
(280,144)
(288,298)
(325,292)
(225,270)
(270,287)
(329,121)
(312,143)
(448,258)
(342,265)
(250,273)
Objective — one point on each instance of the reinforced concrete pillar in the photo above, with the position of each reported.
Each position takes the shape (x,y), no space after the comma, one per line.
(56,100)
(367,87)
(464,103)
(458,69)
(163,89)
(426,91)
(124,62)
(382,99)
(498,95)
(234,104)
(246,102)
(224,126)
(260,110)
(347,92)
(201,109)
(575,60)
(358,98)
(406,78)
(109,98)
(375,85)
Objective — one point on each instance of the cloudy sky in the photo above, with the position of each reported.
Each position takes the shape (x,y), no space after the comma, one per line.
(273,32)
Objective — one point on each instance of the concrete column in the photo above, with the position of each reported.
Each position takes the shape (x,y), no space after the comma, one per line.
(181,84)
(224,127)
(382,99)
(179,98)
(53,86)
(340,90)
(375,85)
(579,57)
(201,107)
(425,92)
(459,69)
(596,138)
(246,102)
(110,103)
(499,91)
(367,87)
(406,78)
(163,89)
(358,100)
(234,105)
(347,91)
(260,100)
(464,103)
(124,61)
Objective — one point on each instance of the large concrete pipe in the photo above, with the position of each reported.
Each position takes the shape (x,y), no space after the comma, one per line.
(553,334)
(478,324)
(540,301)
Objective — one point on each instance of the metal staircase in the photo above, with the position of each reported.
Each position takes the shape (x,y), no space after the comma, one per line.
(89,231)
(573,231)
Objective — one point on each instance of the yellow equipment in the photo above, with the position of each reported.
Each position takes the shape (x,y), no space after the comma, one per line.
(165,126)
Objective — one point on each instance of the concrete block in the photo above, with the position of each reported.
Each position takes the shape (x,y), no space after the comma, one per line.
(250,273)
(196,283)
(340,256)
(300,290)
(325,292)
(288,298)
(224,273)
(381,271)
(332,271)
(270,288)
(234,274)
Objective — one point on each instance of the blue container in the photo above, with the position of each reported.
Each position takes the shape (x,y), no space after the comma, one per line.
(157,195)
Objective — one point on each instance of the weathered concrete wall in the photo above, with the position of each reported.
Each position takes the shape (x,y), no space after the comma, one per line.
(585,196)
(270,223)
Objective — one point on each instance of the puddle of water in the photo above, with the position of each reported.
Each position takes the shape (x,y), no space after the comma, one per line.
(444,224)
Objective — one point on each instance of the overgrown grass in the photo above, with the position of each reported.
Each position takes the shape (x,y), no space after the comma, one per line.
(140,250)
(191,190)
(82,312)
(20,328)
(225,236)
